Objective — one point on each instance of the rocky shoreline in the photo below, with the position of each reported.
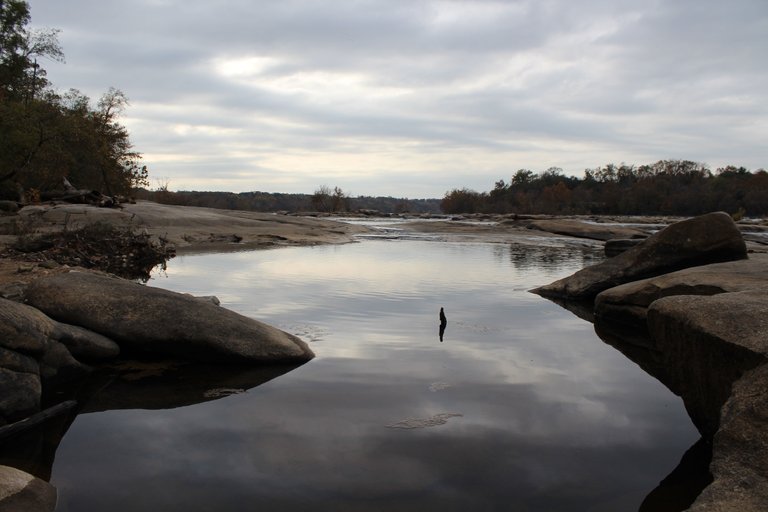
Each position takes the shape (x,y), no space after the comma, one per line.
(685,303)
(689,305)
(71,336)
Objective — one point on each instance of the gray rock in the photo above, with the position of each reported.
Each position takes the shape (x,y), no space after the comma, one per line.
(83,344)
(22,492)
(739,464)
(707,344)
(27,330)
(20,384)
(31,352)
(616,246)
(581,229)
(23,328)
(9,206)
(146,319)
(57,365)
(630,301)
(710,238)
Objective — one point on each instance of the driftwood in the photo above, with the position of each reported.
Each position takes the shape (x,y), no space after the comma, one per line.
(70,194)
(92,197)
(36,419)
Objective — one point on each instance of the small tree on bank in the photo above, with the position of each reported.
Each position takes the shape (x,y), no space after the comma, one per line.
(331,201)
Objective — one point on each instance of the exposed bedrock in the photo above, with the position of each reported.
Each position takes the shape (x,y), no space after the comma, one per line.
(147,319)
(690,309)
(707,344)
(740,452)
(709,238)
(630,301)
(581,229)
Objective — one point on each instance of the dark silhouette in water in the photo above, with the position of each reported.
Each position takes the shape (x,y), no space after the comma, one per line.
(443,323)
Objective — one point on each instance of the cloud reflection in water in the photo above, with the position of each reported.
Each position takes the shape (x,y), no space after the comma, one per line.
(552,418)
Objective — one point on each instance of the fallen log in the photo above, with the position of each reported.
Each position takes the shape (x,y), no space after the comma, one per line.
(36,419)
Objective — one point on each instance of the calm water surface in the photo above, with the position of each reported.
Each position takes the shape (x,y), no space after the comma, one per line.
(520,408)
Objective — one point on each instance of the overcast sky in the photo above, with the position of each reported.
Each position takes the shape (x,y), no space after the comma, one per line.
(413,98)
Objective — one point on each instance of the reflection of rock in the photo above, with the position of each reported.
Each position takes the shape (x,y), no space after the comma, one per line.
(681,487)
(146,319)
(581,308)
(631,300)
(133,385)
(616,246)
(705,239)
(167,385)
(577,228)
(22,492)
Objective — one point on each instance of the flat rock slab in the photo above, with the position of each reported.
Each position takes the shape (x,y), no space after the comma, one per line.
(739,319)
(581,229)
(710,238)
(630,301)
(147,319)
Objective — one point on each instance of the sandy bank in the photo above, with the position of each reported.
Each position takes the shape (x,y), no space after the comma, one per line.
(192,228)
(189,229)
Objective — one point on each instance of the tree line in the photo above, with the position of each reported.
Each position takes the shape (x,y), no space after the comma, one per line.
(324,199)
(45,135)
(667,187)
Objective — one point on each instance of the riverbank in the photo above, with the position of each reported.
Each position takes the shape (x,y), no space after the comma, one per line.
(186,229)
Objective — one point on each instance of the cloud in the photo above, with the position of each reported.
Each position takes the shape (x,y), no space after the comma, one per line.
(445,92)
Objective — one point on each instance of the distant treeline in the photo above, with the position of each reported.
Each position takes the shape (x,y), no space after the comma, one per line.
(667,187)
(273,202)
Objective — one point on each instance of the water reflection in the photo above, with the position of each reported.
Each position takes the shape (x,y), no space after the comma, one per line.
(157,385)
(684,484)
(543,415)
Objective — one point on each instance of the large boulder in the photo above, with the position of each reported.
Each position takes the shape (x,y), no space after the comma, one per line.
(629,302)
(22,492)
(147,319)
(709,238)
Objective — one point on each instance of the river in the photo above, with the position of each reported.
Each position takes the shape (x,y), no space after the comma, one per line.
(520,406)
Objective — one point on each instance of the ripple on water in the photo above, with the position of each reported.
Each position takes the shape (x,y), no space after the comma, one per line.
(432,421)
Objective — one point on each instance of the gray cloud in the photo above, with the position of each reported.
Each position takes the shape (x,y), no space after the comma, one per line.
(364,91)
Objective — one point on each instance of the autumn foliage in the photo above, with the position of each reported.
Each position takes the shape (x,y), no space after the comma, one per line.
(667,187)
